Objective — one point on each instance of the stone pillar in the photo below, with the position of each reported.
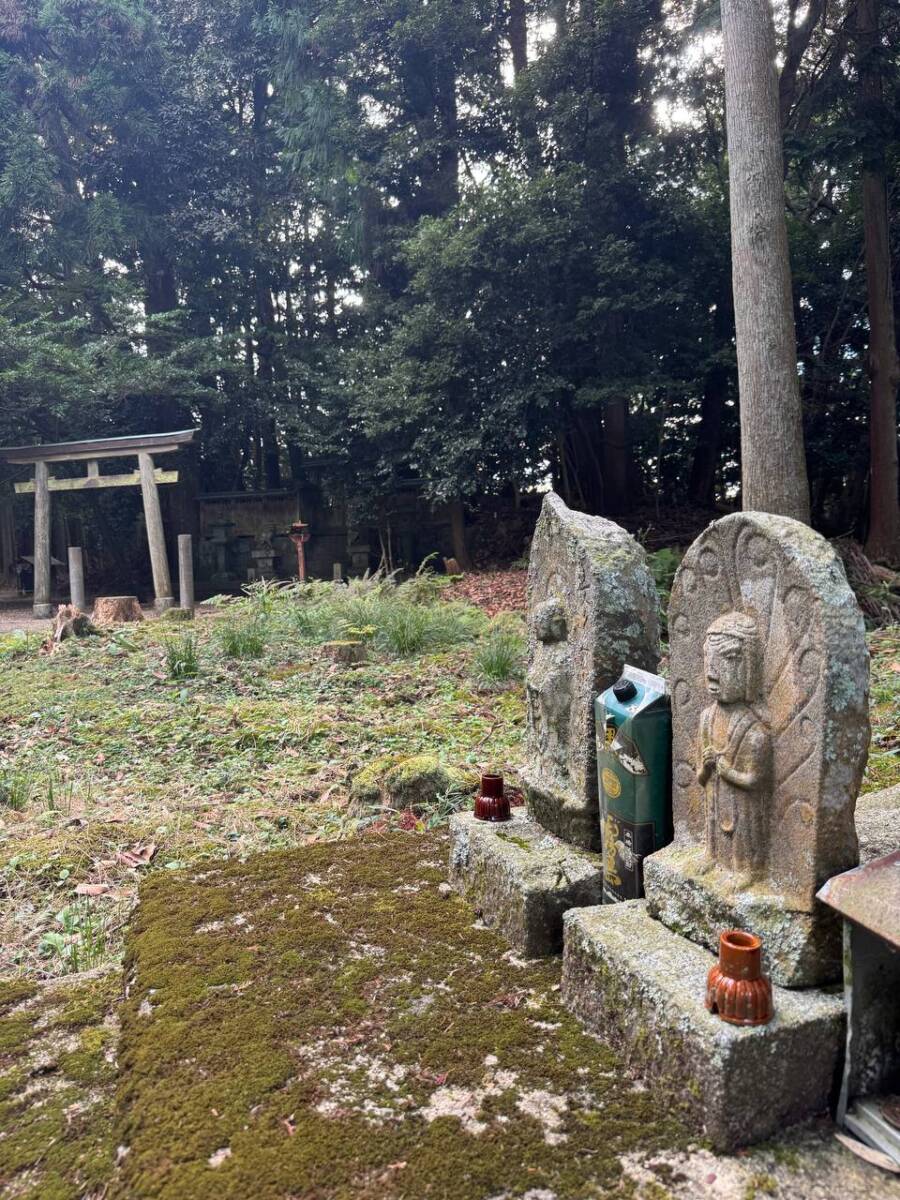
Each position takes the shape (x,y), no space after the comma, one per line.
(42,605)
(162,581)
(186,572)
(76,578)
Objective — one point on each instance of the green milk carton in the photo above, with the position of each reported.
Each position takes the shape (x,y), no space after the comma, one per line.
(634,768)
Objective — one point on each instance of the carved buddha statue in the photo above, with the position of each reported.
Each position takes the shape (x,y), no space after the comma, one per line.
(735,752)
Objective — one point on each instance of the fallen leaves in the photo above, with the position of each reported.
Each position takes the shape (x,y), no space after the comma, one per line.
(492,591)
(138,856)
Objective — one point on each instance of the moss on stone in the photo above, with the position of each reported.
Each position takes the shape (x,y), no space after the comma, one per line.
(403,782)
(374,1043)
(56,1089)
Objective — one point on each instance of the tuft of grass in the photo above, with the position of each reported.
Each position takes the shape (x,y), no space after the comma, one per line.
(500,655)
(181,658)
(16,788)
(79,941)
(243,640)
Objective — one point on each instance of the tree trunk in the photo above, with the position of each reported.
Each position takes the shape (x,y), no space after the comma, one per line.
(518,36)
(616,458)
(702,483)
(883,541)
(458,534)
(772,453)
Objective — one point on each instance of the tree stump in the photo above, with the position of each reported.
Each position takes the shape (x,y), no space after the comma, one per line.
(70,622)
(350,654)
(452,567)
(116,610)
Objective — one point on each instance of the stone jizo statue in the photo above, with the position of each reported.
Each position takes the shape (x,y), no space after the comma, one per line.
(592,607)
(769,678)
(735,752)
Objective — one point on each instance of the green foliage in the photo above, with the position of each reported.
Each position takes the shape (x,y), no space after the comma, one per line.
(500,655)
(79,942)
(243,639)
(664,564)
(346,236)
(16,788)
(181,658)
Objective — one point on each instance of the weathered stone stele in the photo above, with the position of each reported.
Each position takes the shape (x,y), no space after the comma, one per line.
(592,607)
(769,676)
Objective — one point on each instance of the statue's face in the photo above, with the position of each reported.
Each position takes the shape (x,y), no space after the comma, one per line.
(551,625)
(726,667)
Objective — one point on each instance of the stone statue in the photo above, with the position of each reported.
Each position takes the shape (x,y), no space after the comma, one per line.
(548,686)
(734,760)
(592,607)
(765,777)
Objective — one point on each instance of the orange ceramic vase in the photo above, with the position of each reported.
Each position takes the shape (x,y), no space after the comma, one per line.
(492,803)
(736,988)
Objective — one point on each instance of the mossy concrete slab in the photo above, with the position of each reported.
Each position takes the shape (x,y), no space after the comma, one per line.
(520,879)
(331,1023)
(642,989)
(57,1081)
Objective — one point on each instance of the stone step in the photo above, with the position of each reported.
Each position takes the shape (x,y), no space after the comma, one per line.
(521,880)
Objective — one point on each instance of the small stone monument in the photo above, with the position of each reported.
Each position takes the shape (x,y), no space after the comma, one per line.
(769,681)
(769,674)
(592,607)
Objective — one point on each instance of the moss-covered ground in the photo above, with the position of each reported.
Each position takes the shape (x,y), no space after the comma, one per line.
(328,1023)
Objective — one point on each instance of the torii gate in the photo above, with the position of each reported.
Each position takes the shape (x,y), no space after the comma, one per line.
(147,477)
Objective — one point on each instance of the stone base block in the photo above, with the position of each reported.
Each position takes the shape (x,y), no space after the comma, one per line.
(642,989)
(521,879)
(801,949)
(574,821)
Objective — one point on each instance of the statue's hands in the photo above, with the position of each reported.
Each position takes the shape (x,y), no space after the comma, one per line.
(709,759)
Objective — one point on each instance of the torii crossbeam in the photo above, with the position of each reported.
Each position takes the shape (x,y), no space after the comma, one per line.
(92,452)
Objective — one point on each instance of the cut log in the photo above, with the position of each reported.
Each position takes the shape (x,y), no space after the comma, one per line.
(69,622)
(116,610)
(348,653)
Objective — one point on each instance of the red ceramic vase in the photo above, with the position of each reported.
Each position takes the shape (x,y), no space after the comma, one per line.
(736,988)
(491,803)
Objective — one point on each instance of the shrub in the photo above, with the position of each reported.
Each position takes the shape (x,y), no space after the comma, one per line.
(500,655)
(181,658)
(664,563)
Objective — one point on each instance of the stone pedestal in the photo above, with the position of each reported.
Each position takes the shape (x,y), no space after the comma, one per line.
(521,879)
(641,988)
(800,949)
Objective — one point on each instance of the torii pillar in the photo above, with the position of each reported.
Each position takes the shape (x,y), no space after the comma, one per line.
(42,606)
(159,560)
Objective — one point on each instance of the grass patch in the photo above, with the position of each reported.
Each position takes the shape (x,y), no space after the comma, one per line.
(182,661)
(243,641)
(500,655)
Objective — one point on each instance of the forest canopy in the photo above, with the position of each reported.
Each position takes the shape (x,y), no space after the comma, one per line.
(481,244)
